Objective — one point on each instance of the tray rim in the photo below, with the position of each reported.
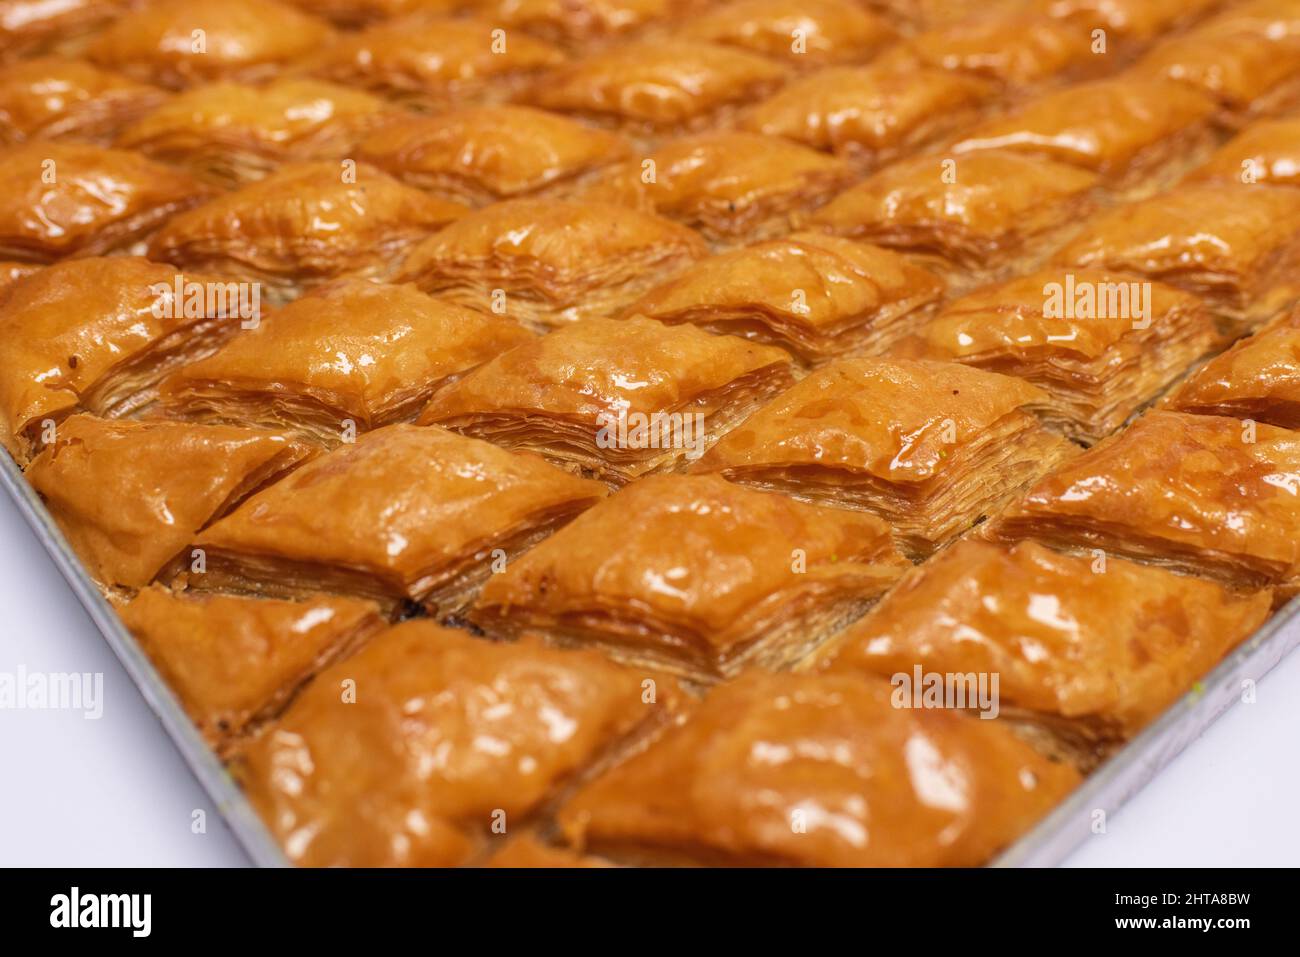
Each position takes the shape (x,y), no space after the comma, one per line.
(1047,844)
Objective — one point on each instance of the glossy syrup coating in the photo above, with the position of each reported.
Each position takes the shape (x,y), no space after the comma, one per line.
(359,13)
(814,34)
(1140,20)
(582,24)
(1266,152)
(29,27)
(57,98)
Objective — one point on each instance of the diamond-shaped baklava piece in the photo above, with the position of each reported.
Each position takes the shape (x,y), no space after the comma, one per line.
(305,224)
(98,335)
(52,98)
(815,295)
(235,661)
(931,447)
(346,358)
(735,188)
(232,133)
(1137,134)
(129,495)
(1267,152)
(178,43)
(404,513)
(479,155)
(548,263)
(657,88)
(870,114)
(819,771)
(973,218)
(1257,379)
(1090,651)
(695,576)
(1235,246)
(1211,495)
(445,743)
(433,63)
(1099,345)
(73,199)
(614,398)
(807,35)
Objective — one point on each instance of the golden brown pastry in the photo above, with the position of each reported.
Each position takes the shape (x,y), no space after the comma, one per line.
(1099,345)
(448,744)
(1235,246)
(434,63)
(870,114)
(658,88)
(917,15)
(528,851)
(818,771)
(1137,134)
(694,576)
(405,513)
(1266,152)
(1138,21)
(548,263)
(11,272)
(234,661)
(232,133)
(178,43)
(614,398)
(52,98)
(479,155)
(1257,379)
(972,218)
(73,199)
(931,447)
(305,224)
(345,358)
(814,295)
(359,13)
(806,35)
(1210,495)
(96,335)
(129,496)
(1091,652)
(580,24)
(34,26)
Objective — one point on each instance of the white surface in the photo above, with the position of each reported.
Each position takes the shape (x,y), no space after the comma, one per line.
(113,791)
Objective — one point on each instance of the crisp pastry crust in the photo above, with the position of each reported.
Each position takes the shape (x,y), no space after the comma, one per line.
(348,357)
(548,263)
(694,576)
(360,13)
(73,199)
(973,219)
(820,771)
(305,224)
(1257,379)
(580,24)
(232,133)
(447,735)
(405,513)
(1103,652)
(931,447)
(235,662)
(1099,345)
(129,496)
(1206,494)
(28,27)
(434,63)
(651,88)
(479,155)
(614,398)
(816,296)
(1266,152)
(870,114)
(96,335)
(733,187)
(245,40)
(1235,246)
(52,98)
(1138,21)
(1139,135)
(807,35)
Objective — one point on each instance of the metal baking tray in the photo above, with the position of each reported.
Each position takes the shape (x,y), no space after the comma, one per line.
(1048,843)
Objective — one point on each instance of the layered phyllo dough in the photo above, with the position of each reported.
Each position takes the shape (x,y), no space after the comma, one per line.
(53,98)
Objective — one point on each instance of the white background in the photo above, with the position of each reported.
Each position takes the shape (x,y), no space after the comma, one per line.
(78,792)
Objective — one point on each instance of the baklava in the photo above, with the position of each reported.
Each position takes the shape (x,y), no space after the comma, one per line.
(697,577)
(1266,152)
(1132,21)
(403,514)
(52,98)
(581,24)
(815,34)
(29,27)
(614,398)
(346,358)
(931,447)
